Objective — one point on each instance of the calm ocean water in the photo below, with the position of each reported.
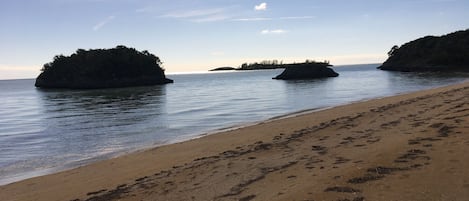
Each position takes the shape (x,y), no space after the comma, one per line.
(44,131)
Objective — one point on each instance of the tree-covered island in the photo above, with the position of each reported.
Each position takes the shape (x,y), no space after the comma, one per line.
(266,65)
(431,53)
(103,68)
(310,69)
(307,70)
(263,65)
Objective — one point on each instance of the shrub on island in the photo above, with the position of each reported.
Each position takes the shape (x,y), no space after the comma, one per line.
(103,68)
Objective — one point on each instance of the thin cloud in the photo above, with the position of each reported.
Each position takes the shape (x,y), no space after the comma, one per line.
(204,15)
(212,18)
(103,22)
(275,31)
(268,19)
(262,6)
(194,13)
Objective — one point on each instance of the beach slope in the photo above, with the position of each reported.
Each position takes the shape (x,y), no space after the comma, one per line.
(406,147)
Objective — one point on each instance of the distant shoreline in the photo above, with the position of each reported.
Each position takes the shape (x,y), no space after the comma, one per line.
(203,71)
(270,64)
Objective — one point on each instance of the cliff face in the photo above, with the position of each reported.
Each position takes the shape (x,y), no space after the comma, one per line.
(445,53)
(102,68)
(306,71)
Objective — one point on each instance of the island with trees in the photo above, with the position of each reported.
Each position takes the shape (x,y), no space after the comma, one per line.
(307,70)
(263,65)
(103,68)
(431,53)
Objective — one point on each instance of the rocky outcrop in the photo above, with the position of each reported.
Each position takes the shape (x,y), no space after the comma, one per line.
(444,53)
(103,68)
(306,71)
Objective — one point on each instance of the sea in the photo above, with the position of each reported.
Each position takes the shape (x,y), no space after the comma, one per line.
(46,131)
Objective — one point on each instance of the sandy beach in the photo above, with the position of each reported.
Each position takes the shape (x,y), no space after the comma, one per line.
(406,147)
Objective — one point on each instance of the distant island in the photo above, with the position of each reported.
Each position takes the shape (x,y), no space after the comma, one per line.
(103,68)
(307,70)
(431,53)
(264,65)
(223,68)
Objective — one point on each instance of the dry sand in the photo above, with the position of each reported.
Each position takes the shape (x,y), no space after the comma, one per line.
(406,147)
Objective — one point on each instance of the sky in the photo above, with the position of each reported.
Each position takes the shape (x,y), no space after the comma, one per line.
(198,35)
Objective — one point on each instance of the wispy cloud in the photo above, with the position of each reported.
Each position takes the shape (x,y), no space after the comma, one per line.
(275,31)
(194,13)
(219,14)
(262,6)
(103,22)
(279,18)
(211,18)
(203,15)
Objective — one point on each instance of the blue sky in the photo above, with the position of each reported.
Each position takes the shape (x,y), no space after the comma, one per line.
(198,35)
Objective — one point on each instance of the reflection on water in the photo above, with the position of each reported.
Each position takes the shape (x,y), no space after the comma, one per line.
(46,130)
(143,102)
(354,83)
(102,119)
(80,126)
(414,81)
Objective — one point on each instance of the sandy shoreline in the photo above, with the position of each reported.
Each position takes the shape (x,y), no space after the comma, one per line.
(406,147)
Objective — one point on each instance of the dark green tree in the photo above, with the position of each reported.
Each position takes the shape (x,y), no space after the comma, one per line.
(393,50)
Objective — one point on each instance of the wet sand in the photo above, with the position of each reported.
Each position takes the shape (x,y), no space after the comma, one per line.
(406,147)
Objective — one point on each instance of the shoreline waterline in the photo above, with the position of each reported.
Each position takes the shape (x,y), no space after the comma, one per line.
(112,155)
(263,146)
(46,131)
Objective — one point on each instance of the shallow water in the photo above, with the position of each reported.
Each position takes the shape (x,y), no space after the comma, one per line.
(43,131)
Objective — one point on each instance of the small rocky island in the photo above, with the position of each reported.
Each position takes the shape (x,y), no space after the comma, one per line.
(307,70)
(431,53)
(103,68)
